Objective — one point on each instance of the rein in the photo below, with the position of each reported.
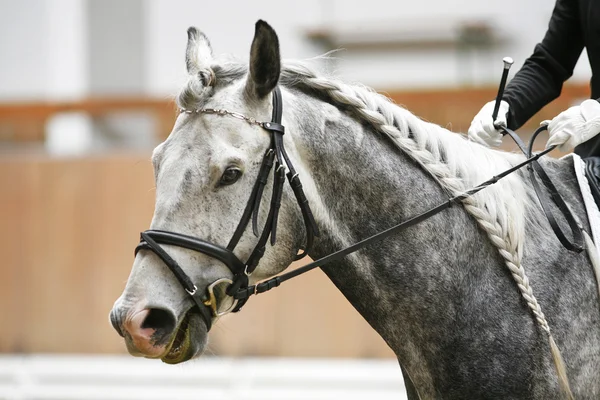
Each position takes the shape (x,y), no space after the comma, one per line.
(576,245)
(238,287)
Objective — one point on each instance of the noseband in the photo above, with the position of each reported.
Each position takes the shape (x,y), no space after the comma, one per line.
(238,287)
(274,156)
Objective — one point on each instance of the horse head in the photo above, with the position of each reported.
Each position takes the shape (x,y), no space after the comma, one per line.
(206,173)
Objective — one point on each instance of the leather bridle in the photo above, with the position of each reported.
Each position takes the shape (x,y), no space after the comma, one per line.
(274,156)
(238,287)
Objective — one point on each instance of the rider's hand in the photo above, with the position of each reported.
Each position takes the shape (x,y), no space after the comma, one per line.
(574,126)
(482,128)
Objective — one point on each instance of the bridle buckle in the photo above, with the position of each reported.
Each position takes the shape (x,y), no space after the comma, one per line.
(192,292)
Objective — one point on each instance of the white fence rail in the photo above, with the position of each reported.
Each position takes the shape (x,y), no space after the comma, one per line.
(44,377)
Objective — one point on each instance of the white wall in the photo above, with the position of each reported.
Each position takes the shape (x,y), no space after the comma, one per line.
(230,28)
(20,49)
(45,44)
(522,22)
(43,51)
(116,46)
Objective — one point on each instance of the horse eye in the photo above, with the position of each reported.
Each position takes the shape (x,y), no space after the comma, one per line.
(230,176)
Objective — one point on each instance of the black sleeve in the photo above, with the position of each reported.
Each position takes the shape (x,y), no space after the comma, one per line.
(540,79)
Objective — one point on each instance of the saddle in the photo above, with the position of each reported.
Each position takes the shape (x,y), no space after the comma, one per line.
(592,173)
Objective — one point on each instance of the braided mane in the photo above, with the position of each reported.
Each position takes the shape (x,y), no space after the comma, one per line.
(454,162)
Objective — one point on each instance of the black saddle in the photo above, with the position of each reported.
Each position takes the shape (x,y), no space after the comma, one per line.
(592,173)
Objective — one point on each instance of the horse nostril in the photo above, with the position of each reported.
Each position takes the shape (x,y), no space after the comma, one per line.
(162,321)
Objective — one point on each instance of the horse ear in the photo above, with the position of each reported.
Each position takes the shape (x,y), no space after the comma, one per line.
(198,55)
(265,61)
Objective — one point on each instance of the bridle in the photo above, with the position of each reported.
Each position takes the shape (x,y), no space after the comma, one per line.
(274,156)
(238,287)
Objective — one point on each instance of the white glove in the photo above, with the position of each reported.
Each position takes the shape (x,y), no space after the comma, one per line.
(574,126)
(482,128)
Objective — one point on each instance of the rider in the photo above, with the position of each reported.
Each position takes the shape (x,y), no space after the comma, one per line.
(573,26)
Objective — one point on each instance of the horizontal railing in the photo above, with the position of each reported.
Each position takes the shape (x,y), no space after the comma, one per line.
(26,121)
(453,108)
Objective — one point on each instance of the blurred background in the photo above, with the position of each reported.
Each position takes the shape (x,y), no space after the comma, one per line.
(86,89)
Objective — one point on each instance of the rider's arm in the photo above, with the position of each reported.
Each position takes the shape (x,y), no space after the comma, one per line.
(540,79)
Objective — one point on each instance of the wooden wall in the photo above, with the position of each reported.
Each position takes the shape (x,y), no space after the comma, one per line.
(67,233)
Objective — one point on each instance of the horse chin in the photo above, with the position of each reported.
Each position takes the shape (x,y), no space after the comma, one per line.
(188,342)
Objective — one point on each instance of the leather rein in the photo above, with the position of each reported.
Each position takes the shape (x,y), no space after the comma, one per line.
(238,287)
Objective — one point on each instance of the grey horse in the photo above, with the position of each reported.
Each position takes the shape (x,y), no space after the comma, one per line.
(475,301)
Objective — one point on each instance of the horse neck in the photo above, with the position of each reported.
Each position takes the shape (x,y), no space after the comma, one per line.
(363,185)
(411,287)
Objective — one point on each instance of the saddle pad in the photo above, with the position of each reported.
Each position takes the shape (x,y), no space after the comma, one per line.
(590,204)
